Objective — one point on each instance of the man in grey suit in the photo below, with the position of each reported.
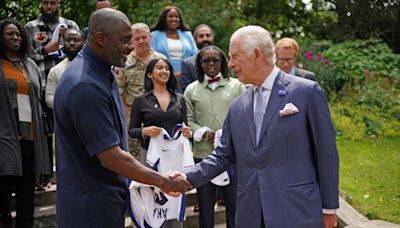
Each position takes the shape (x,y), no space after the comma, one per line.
(280,135)
(203,35)
(286,51)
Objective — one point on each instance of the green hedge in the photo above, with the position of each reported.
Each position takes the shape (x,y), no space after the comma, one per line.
(360,121)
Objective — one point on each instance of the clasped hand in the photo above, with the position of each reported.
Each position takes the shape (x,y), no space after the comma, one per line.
(153,131)
(176,184)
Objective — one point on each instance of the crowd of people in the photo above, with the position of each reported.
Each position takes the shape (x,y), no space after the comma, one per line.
(263,142)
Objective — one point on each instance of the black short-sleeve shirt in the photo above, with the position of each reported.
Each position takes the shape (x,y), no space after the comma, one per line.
(89,119)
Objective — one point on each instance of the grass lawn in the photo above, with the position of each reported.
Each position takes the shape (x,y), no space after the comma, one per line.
(370,177)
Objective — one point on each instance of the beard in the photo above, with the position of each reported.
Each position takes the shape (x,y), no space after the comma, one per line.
(49,18)
(115,56)
(206,43)
(71,54)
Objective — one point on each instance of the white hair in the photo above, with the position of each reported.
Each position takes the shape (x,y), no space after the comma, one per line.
(252,37)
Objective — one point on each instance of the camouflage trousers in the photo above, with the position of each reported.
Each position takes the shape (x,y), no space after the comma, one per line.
(134,147)
(133,144)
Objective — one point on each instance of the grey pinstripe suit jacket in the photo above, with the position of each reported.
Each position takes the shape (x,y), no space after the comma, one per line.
(293,172)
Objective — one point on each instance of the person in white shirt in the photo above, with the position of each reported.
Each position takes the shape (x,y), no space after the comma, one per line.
(73,43)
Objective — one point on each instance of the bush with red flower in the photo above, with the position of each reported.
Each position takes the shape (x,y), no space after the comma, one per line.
(330,79)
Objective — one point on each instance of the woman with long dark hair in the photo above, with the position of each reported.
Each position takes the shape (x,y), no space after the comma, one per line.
(172,37)
(159,107)
(23,147)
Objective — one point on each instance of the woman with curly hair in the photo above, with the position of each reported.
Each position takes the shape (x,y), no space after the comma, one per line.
(172,37)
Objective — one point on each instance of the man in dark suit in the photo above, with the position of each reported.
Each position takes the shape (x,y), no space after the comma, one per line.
(203,35)
(286,51)
(280,135)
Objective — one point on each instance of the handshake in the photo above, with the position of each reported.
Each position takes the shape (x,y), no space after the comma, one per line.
(175,184)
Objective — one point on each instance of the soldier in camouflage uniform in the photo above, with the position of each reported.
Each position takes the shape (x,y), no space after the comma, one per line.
(131,78)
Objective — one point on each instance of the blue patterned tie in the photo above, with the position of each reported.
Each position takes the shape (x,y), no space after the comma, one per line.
(259,112)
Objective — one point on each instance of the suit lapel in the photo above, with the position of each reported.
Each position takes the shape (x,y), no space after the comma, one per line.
(275,99)
(249,113)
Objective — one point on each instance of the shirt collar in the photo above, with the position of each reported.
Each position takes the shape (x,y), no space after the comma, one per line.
(269,81)
(206,77)
(292,71)
(97,64)
(95,59)
(147,93)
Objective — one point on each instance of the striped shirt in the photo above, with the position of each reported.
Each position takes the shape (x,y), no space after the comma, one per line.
(41,33)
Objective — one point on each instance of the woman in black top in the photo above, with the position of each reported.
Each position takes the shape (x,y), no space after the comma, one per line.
(158,107)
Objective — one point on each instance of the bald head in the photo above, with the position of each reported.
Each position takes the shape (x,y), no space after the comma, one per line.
(75,31)
(106,20)
(110,36)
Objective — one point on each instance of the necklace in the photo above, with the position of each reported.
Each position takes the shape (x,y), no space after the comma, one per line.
(19,66)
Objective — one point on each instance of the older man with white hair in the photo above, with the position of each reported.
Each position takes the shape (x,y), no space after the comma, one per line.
(280,136)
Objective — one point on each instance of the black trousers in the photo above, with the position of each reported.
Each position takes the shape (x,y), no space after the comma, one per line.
(207,196)
(51,152)
(50,141)
(24,188)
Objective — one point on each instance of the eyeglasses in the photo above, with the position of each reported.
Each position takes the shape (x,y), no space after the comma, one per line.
(283,60)
(209,61)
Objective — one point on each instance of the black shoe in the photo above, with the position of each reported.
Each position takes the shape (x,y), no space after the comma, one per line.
(6,218)
(196,208)
(40,188)
(44,183)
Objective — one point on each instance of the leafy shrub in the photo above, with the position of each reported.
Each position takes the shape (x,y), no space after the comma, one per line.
(347,124)
(362,80)
(349,63)
(380,91)
(357,121)
(330,79)
(311,58)
(352,58)
(390,128)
